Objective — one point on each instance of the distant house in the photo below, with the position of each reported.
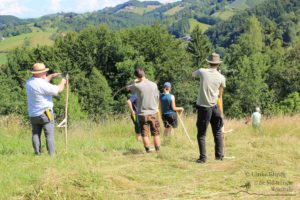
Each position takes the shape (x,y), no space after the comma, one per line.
(186,38)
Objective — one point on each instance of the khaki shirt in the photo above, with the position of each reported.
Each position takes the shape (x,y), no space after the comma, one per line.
(210,82)
(148,97)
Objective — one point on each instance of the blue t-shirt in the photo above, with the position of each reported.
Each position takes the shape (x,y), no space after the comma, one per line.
(134,102)
(165,100)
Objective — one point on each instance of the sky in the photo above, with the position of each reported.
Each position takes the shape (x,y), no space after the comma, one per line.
(37,8)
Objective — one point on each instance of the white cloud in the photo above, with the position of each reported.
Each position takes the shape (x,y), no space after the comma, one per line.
(109,3)
(12,7)
(55,5)
(87,5)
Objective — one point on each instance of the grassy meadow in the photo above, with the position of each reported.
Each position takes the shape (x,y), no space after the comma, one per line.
(194,23)
(105,162)
(226,14)
(173,10)
(35,38)
(140,10)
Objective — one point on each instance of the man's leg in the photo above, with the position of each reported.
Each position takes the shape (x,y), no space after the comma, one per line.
(145,132)
(203,118)
(168,131)
(217,124)
(155,131)
(36,135)
(137,128)
(138,137)
(49,134)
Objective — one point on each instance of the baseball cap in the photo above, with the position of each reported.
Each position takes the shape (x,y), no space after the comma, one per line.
(167,84)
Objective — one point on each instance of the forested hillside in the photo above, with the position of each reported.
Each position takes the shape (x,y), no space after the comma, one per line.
(261,64)
(279,19)
(133,13)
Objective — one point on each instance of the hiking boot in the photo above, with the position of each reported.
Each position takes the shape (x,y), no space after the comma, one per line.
(219,158)
(201,161)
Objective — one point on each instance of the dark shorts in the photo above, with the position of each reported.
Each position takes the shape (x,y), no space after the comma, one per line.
(136,124)
(149,124)
(170,120)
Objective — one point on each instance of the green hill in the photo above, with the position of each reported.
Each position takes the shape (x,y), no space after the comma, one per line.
(129,14)
(244,4)
(33,39)
(278,18)
(140,10)
(194,23)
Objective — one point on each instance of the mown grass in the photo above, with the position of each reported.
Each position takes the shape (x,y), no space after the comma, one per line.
(105,162)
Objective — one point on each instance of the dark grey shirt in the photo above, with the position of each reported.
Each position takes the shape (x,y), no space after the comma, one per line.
(148,97)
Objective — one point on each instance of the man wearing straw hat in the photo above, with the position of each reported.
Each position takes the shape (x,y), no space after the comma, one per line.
(211,86)
(40,106)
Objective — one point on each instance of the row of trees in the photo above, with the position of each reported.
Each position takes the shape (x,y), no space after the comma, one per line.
(101,61)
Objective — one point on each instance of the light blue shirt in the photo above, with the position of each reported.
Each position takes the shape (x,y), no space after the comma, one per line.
(256,116)
(39,95)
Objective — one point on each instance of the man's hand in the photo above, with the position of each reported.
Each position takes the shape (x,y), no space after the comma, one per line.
(62,84)
(133,113)
(64,81)
(180,110)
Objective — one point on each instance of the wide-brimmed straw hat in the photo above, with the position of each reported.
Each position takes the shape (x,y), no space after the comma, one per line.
(214,58)
(38,68)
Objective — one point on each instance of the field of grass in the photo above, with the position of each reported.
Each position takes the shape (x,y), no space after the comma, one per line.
(173,11)
(35,38)
(105,162)
(194,23)
(224,14)
(244,4)
(140,10)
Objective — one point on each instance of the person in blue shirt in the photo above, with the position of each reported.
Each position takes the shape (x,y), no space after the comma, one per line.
(168,109)
(132,103)
(40,106)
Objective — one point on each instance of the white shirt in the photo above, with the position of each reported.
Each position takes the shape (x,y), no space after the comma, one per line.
(39,95)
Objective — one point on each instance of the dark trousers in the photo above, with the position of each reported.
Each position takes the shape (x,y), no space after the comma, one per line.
(213,116)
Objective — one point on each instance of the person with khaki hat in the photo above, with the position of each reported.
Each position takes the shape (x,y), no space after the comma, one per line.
(211,87)
(40,106)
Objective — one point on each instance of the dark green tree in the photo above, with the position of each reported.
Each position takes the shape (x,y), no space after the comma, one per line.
(200,47)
